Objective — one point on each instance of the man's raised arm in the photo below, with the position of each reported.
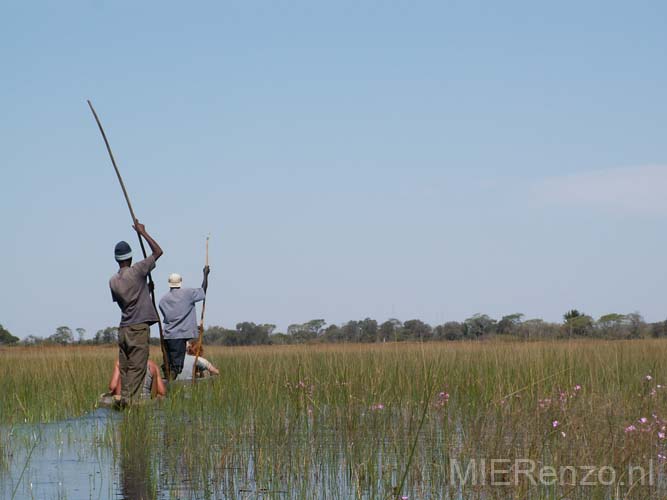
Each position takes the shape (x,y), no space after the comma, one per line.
(204,283)
(155,248)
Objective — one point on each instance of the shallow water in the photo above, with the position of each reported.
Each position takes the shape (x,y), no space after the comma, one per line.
(103,455)
(67,459)
(111,455)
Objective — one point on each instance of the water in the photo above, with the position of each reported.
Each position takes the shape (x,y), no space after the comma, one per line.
(140,454)
(111,455)
(67,459)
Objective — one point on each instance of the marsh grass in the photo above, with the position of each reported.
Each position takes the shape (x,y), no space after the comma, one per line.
(4,451)
(43,384)
(372,421)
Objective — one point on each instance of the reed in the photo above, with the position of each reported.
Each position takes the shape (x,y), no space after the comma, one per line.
(374,421)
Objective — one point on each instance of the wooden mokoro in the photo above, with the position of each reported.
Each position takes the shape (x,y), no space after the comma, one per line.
(185,383)
(113,402)
(107,400)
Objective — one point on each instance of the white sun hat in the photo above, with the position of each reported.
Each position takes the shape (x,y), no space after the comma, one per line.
(175,280)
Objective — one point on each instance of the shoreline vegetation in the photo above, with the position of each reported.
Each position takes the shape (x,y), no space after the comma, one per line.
(379,411)
(575,324)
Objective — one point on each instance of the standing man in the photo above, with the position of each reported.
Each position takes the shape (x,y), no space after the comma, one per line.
(129,290)
(180,321)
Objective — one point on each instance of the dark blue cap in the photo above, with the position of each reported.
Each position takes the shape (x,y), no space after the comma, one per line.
(122,251)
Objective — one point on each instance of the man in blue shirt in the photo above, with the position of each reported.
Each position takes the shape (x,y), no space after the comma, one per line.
(180,321)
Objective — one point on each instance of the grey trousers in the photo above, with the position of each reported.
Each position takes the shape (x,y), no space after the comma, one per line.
(132,357)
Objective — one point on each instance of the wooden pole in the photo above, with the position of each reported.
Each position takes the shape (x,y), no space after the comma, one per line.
(201,326)
(151,284)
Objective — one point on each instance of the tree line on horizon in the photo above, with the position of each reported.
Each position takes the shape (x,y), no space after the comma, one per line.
(479,326)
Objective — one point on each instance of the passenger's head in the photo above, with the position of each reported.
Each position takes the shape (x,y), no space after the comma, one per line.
(191,347)
(123,253)
(175,280)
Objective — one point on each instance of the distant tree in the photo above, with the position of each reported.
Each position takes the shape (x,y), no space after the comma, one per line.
(251,334)
(452,330)
(333,333)
(62,336)
(280,339)
(32,340)
(537,328)
(612,325)
(225,336)
(416,329)
(659,329)
(636,325)
(108,335)
(269,327)
(368,330)
(315,326)
(81,332)
(571,314)
(509,325)
(351,331)
(389,329)
(479,325)
(7,338)
(304,332)
(577,323)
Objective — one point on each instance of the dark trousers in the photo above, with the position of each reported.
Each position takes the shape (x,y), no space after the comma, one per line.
(176,355)
(132,359)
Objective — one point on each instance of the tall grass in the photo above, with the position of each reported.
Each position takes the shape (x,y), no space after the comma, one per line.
(374,420)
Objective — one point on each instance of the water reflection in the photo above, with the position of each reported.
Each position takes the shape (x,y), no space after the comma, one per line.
(136,477)
(69,459)
(139,454)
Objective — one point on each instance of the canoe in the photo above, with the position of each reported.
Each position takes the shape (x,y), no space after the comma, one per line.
(112,402)
(107,400)
(185,383)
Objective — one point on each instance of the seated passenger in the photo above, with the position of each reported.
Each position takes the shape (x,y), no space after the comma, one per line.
(152,378)
(204,367)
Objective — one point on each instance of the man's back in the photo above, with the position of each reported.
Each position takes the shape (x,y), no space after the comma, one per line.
(130,291)
(178,309)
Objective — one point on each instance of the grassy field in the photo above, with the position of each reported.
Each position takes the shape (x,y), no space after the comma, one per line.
(373,421)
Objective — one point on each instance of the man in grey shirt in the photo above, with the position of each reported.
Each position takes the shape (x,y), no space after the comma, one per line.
(129,290)
(180,321)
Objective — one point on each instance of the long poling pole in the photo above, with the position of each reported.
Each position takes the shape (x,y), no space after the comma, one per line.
(201,327)
(151,285)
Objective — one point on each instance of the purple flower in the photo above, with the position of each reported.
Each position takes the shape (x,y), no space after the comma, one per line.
(555,423)
(630,428)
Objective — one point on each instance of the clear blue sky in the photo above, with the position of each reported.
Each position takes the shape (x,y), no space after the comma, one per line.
(423,160)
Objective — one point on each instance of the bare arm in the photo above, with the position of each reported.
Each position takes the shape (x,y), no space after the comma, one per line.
(204,283)
(155,248)
(213,369)
(205,364)
(114,383)
(160,389)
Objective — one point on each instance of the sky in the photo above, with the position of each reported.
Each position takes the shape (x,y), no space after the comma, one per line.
(426,160)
